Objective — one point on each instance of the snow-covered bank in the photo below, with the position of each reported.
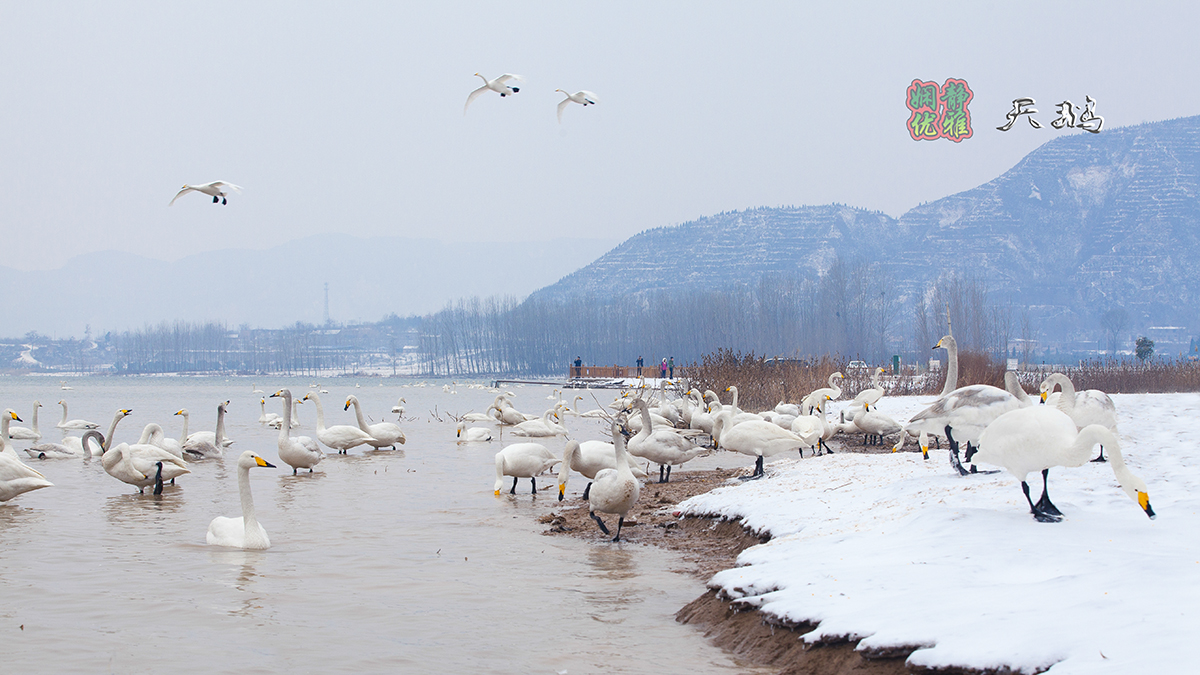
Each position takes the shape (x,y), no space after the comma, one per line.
(902,552)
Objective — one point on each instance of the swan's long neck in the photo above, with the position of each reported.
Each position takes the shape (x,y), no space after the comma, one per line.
(646,422)
(362,423)
(220,433)
(5,445)
(296,411)
(112,429)
(1066,400)
(320,412)
(34,422)
(285,428)
(623,469)
(564,469)
(733,403)
(91,436)
(64,419)
(875,381)
(184,433)
(247,500)
(951,368)
(1087,439)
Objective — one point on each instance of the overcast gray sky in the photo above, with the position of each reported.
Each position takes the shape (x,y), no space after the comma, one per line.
(348,117)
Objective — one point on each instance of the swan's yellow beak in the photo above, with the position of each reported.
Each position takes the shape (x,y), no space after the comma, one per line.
(179,413)
(14,416)
(1044,395)
(1144,502)
(127,411)
(278,393)
(347,406)
(459,434)
(262,462)
(497,493)
(561,489)
(925,451)
(939,344)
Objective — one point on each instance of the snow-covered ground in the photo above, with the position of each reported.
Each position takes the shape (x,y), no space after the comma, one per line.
(899,551)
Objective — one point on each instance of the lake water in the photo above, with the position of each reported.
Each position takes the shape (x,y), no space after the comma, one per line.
(380,561)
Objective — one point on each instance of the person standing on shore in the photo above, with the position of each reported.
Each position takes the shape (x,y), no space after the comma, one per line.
(671,367)
(640,363)
(578,367)
(663,368)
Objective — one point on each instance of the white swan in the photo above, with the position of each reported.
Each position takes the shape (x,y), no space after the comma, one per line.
(301,452)
(340,437)
(875,425)
(473,434)
(206,444)
(582,97)
(1012,384)
(869,397)
(614,490)
(961,416)
(540,428)
(1038,438)
(266,417)
(399,407)
(216,189)
(756,438)
(664,447)
(15,477)
(278,421)
(140,465)
(1091,406)
(383,434)
(255,390)
(74,424)
(522,460)
(243,532)
(153,434)
(27,434)
(590,458)
(951,346)
(497,85)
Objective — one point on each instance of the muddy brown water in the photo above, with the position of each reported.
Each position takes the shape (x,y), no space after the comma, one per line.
(380,562)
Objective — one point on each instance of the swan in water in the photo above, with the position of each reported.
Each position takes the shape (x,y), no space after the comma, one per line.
(27,434)
(384,434)
(473,434)
(497,85)
(278,421)
(589,458)
(340,437)
(15,477)
(614,490)
(243,532)
(140,465)
(662,446)
(153,434)
(399,407)
(522,460)
(756,438)
(1091,406)
(74,424)
(266,417)
(582,97)
(301,452)
(217,189)
(1032,439)
(255,390)
(540,428)
(206,444)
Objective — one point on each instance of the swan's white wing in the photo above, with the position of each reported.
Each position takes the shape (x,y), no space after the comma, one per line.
(509,76)
(591,98)
(562,105)
(180,194)
(474,95)
(221,184)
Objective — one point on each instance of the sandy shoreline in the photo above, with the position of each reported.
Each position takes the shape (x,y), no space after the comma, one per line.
(709,545)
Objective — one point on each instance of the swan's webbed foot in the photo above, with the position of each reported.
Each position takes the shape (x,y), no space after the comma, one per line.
(223,202)
(1044,504)
(310,469)
(587,491)
(216,199)
(1101,457)
(515,89)
(825,445)
(599,522)
(1039,514)
(502,95)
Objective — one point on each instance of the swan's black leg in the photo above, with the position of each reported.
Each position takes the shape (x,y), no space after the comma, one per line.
(515,90)
(758,470)
(223,202)
(587,491)
(599,522)
(158,480)
(215,200)
(971,450)
(294,470)
(533,484)
(954,452)
(513,491)
(662,473)
(1044,504)
(825,445)
(1101,457)
(310,469)
(620,522)
(1040,516)
(668,473)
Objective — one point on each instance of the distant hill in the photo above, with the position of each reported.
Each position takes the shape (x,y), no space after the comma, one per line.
(1082,224)
(368,279)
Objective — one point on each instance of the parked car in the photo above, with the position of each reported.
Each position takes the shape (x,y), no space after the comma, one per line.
(857,365)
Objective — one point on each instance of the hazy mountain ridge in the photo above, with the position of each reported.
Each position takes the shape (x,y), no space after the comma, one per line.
(368,279)
(1083,223)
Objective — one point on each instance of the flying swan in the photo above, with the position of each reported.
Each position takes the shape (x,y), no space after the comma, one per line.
(215,189)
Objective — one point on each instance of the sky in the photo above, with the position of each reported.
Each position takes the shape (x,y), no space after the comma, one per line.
(348,117)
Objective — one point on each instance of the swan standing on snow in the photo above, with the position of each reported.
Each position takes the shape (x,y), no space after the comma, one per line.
(1091,406)
(472,435)
(589,458)
(497,85)
(340,437)
(522,460)
(15,477)
(384,434)
(869,397)
(614,490)
(215,189)
(243,532)
(875,425)
(74,424)
(582,97)
(961,416)
(1037,438)
(301,452)
(24,434)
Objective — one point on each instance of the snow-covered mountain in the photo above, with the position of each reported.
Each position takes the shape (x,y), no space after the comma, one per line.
(368,279)
(1083,224)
